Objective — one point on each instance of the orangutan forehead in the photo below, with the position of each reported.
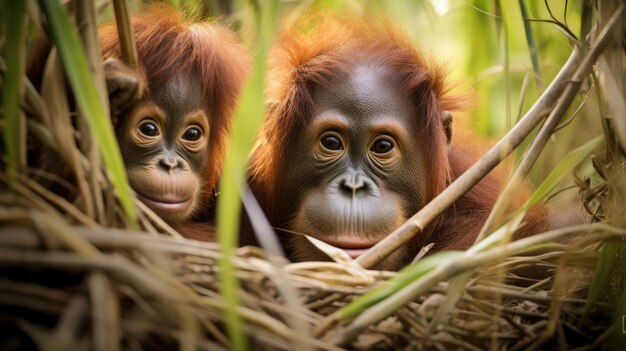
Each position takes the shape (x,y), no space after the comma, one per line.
(366,90)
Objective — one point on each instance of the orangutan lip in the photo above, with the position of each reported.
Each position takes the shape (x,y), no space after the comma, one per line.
(353,248)
(166,205)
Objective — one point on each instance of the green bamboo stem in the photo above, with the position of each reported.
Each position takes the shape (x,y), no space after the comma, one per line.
(544,134)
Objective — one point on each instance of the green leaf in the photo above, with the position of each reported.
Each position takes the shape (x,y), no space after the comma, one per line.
(14,50)
(81,80)
(405,277)
(504,232)
(604,272)
(616,340)
(415,271)
(248,118)
(571,160)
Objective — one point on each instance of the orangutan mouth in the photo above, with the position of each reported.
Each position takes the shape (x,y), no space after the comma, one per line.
(166,204)
(352,246)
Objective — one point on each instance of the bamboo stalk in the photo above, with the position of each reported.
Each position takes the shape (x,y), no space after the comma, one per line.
(546,131)
(128,46)
(474,174)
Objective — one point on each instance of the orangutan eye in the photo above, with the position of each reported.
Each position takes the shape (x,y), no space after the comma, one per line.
(192,134)
(382,146)
(149,128)
(332,143)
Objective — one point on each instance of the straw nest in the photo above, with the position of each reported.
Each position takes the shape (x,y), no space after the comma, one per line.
(74,287)
(70,281)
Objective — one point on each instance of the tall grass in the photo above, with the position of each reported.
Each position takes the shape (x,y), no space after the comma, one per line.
(248,117)
(87,97)
(500,44)
(14,17)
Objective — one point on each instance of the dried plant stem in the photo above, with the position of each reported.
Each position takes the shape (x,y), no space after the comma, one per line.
(88,28)
(154,218)
(383,309)
(474,174)
(27,198)
(178,304)
(125,33)
(106,313)
(119,267)
(275,269)
(546,131)
(60,202)
(53,93)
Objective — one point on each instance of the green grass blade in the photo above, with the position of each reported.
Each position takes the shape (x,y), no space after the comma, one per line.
(503,32)
(604,272)
(502,234)
(248,117)
(616,340)
(571,160)
(86,94)
(13,53)
(415,271)
(404,278)
(457,285)
(609,250)
(532,47)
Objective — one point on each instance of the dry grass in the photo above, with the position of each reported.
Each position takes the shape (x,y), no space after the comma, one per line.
(71,279)
(111,289)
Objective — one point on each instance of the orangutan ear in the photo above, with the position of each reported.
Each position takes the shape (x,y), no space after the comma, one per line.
(125,85)
(446,120)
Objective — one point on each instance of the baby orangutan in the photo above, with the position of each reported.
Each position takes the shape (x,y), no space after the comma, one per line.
(357,140)
(172,113)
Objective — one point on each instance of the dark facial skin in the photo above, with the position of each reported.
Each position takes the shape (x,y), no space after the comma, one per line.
(357,167)
(164,143)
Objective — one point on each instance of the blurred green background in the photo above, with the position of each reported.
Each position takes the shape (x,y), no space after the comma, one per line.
(504,52)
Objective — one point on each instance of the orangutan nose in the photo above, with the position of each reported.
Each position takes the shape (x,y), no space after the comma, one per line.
(170,162)
(355,183)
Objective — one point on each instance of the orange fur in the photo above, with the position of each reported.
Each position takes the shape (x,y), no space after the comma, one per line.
(167,46)
(306,58)
(300,61)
